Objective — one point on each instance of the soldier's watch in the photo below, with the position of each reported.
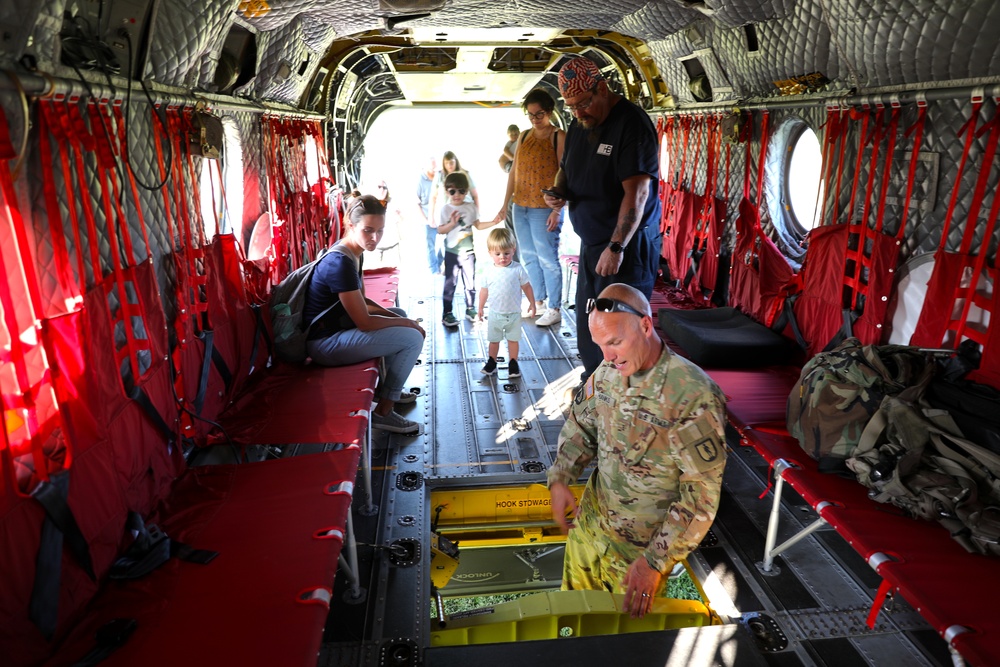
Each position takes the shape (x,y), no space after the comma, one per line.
(616,247)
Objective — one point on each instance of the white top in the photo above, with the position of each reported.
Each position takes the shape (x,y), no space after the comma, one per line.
(464,230)
(504,285)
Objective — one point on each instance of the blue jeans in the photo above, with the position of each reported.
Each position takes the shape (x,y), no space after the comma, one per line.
(434,249)
(399,346)
(540,252)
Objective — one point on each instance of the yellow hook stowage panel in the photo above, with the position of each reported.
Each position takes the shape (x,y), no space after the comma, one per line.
(497,516)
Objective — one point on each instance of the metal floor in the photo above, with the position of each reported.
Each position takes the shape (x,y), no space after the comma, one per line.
(492,430)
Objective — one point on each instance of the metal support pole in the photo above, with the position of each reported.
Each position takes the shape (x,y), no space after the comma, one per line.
(370,508)
(349,565)
(794,539)
(772,522)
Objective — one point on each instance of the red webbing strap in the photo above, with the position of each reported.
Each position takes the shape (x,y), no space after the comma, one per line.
(876,140)
(830,130)
(186,235)
(674,178)
(746,136)
(917,129)
(890,153)
(883,591)
(123,145)
(970,133)
(175,197)
(725,188)
(686,131)
(697,154)
(196,252)
(862,142)
(985,169)
(80,140)
(158,139)
(108,153)
(55,126)
(703,223)
(673,146)
(198,222)
(127,310)
(322,186)
(70,290)
(854,257)
(844,126)
(762,160)
(962,328)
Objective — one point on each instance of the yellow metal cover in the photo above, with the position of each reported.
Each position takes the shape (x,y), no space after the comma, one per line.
(565,614)
(506,504)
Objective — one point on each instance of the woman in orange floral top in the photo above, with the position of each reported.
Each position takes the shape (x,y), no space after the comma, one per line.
(536,161)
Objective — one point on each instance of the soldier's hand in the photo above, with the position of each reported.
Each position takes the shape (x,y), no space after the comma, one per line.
(563,506)
(641,584)
(609,263)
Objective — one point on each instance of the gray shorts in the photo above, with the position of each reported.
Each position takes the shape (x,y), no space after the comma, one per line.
(501,326)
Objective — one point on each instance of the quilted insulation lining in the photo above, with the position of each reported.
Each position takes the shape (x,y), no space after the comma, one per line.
(185,31)
(794,35)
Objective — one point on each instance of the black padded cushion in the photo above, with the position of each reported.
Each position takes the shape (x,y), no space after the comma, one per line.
(725,338)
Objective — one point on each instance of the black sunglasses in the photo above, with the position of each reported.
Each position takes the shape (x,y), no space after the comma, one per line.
(459,191)
(611,306)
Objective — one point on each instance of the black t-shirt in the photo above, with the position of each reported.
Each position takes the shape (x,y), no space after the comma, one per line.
(595,166)
(335,273)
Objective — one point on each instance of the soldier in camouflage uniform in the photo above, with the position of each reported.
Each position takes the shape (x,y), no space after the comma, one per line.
(655,423)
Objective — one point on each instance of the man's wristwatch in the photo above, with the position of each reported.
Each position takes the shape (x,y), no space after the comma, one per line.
(616,247)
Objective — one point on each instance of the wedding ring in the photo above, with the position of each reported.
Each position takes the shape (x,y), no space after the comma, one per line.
(645,595)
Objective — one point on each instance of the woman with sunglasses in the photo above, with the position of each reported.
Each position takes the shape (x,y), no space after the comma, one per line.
(536,226)
(352,328)
(449,165)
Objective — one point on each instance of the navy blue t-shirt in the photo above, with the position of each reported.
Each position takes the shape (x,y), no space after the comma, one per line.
(595,164)
(335,273)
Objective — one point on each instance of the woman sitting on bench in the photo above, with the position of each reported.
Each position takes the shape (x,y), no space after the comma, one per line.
(356,328)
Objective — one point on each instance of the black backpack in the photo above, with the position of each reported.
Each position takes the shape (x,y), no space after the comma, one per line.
(287,305)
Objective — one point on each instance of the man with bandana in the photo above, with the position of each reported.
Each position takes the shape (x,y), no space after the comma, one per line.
(609,177)
(654,424)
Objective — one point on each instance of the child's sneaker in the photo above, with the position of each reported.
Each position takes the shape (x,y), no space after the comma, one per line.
(470,314)
(450,320)
(513,370)
(490,367)
(395,423)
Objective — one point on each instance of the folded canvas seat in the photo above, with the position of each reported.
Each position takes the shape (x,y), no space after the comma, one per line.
(725,338)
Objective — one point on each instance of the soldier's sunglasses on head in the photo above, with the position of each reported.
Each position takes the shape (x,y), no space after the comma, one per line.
(611,306)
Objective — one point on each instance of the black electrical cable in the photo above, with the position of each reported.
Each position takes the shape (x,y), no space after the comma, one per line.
(159,113)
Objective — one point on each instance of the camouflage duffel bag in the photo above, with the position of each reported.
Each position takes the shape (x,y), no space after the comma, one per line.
(916,458)
(838,391)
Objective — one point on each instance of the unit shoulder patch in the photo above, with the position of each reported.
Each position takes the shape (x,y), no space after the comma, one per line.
(700,445)
(586,392)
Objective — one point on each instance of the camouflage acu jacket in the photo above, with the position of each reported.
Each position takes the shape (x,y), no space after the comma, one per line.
(660,456)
